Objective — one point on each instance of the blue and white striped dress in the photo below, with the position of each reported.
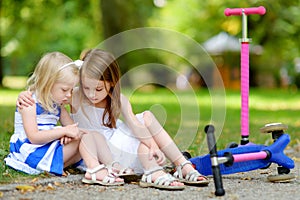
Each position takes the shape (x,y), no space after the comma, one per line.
(34,158)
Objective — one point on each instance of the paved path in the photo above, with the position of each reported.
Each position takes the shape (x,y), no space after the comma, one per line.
(245,186)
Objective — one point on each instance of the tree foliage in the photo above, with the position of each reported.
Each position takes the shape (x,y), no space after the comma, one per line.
(30,28)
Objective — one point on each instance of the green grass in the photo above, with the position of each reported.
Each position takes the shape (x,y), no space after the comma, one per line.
(176,111)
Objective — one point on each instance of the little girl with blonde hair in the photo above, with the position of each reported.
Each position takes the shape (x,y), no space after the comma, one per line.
(37,144)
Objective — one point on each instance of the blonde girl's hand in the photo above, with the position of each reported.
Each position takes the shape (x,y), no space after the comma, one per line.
(65,140)
(158,155)
(72,131)
(25,99)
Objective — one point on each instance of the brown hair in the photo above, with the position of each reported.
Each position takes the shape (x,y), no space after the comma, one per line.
(101,65)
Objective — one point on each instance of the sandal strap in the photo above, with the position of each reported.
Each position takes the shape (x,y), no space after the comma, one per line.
(111,167)
(185,163)
(192,175)
(166,179)
(151,171)
(110,178)
(93,171)
(178,173)
(147,177)
(125,171)
(113,163)
(117,171)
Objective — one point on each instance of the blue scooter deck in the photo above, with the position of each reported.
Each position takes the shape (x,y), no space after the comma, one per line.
(203,163)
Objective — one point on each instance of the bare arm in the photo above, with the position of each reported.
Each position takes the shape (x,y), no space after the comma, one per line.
(65,118)
(138,129)
(25,99)
(141,131)
(40,137)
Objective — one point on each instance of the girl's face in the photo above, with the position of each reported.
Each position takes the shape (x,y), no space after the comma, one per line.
(95,91)
(62,91)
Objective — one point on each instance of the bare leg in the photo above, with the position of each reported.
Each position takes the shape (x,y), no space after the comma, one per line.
(71,153)
(165,143)
(94,151)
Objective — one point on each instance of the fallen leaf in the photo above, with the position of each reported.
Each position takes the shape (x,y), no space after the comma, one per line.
(296,159)
(38,187)
(119,188)
(50,187)
(266,171)
(211,195)
(57,183)
(247,178)
(34,180)
(102,189)
(25,188)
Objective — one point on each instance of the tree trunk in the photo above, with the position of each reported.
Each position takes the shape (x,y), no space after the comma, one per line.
(1,60)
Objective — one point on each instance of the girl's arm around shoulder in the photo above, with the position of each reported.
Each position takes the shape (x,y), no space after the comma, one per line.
(25,99)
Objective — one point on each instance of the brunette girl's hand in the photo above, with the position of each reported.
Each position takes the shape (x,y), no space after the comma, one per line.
(158,155)
(25,99)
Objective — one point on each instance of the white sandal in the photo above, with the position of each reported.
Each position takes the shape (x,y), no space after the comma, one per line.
(125,173)
(108,180)
(190,178)
(120,172)
(161,182)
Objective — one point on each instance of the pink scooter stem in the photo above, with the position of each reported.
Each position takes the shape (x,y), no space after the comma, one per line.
(245,66)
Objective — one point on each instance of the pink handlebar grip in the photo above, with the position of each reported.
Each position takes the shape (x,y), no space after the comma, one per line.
(248,11)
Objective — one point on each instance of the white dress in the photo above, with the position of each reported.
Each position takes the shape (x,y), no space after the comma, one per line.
(122,143)
(33,158)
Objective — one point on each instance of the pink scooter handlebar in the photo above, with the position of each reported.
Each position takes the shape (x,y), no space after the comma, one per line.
(248,11)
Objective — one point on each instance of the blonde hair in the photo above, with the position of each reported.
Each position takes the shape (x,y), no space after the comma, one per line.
(53,67)
(101,65)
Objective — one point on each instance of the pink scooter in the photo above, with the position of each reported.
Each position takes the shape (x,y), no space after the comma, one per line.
(246,156)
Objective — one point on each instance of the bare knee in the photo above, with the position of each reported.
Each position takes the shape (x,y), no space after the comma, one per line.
(92,135)
(142,149)
(98,135)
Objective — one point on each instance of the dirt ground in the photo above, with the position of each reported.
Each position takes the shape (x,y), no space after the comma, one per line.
(251,185)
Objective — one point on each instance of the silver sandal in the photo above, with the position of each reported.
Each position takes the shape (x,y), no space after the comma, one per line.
(125,173)
(190,178)
(161,182)
(108,180)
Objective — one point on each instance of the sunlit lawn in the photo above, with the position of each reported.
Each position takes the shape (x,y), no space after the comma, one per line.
(184,115)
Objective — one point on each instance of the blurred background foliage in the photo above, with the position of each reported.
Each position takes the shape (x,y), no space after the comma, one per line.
(29,28)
